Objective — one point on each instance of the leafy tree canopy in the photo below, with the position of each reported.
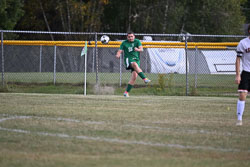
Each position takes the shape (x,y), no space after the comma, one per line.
(142,16)
(10,12)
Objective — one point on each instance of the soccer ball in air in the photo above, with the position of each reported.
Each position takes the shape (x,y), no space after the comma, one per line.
(105,39)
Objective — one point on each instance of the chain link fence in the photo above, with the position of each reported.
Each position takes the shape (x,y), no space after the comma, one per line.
(177,64)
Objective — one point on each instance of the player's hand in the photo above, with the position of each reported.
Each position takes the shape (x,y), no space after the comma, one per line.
(237,79)
(117,56)
(137,49)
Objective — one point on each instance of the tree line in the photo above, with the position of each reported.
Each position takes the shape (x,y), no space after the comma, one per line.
(140,16)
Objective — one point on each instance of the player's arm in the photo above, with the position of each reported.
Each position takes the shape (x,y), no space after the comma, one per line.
(239,51)
(139,49)
(237,68)
(118,54)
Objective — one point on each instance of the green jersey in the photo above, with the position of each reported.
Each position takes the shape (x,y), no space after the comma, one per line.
(130,55)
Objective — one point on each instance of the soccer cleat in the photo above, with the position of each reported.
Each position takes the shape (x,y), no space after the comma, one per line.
(239,123)
(125,94)
(146,80)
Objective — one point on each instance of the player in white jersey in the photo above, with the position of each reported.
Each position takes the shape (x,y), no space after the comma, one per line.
(243,79)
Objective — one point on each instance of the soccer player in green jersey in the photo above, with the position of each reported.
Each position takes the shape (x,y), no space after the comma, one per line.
(132,48)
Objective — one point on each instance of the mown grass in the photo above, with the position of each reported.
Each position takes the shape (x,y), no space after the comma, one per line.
(151,89)
(74,130)
(114,78)
(162,84)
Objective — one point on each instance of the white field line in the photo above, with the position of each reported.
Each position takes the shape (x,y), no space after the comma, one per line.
(103,139)
(177,130)
(185,98)
(187,131)
(113,140)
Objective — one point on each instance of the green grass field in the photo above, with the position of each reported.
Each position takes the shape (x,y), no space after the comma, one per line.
(114,78)
(162,84)
(141,131)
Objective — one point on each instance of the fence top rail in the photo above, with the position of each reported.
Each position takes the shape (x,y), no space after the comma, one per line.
(110,33)
(112,43)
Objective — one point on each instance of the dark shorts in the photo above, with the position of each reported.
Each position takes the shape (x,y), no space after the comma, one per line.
(244,85)
(128,63)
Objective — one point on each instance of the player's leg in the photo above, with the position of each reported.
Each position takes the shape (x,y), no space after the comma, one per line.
(131,83)
(243,91)
(133,78)
(241,107)
(137,68)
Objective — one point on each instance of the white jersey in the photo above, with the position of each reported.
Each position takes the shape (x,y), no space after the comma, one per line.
(243,51)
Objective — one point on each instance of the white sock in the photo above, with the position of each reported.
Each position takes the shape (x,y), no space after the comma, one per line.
(240,109)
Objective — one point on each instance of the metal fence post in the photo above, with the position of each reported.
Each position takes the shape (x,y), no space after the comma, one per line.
(85,71)
(196,66)
(54,78)
(2,58)
(186,47)
(40,61)
(96,57)
(121,70)
(93,61)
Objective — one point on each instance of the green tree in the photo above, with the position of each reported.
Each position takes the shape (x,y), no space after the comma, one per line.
(175,16)
(141,16)
(10,12)
(144,16)
(246,10)
(62,15)
(214,17)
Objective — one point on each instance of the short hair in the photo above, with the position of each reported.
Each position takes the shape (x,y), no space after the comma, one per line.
(248,28)
(130,32)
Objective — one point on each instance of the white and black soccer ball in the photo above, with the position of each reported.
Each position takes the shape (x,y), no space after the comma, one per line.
(105,39)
